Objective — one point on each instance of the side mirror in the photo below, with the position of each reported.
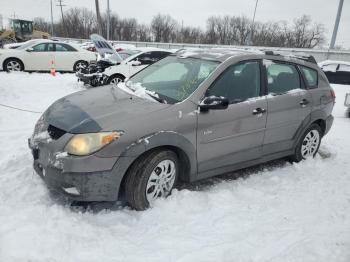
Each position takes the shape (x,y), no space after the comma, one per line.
(30,49)
(134,63)
(214,102)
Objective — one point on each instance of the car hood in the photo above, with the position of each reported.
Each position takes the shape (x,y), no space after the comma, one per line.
(105,108)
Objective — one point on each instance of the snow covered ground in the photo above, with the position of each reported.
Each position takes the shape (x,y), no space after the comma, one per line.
(276,212)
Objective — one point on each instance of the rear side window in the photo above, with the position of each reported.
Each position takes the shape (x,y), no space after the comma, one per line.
(281,78)
(310,76)
(64,48)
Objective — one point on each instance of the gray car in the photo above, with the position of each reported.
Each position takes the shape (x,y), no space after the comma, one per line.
(189,116)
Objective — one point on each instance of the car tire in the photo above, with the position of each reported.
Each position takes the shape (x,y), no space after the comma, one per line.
(80,65)
(115,79)
(308,143)
(150,177)
(13,65)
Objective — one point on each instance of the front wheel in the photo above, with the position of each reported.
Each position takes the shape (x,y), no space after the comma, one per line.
(151,177)
(308,144)
(80,65)
(115,79)
(13,65)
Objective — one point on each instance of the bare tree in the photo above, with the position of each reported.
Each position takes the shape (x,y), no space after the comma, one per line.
(163,28)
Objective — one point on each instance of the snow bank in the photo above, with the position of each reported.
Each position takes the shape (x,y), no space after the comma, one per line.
(276,212)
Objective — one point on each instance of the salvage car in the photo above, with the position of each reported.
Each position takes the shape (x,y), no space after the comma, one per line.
(192,115)
(337,72)
(42,55)
(113,72)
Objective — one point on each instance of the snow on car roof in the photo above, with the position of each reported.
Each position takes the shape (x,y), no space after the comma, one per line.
(328,62)
(220,54)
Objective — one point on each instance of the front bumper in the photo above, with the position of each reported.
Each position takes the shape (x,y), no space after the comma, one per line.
(87,178)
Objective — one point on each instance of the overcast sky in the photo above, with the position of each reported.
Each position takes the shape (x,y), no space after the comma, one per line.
(195,12)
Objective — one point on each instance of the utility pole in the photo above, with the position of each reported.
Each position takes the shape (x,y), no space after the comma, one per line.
(98,15)
(250,37)
(336,25)
(108,19)
(51,18)
(60,4)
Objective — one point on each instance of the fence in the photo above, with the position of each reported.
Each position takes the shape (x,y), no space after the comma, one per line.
(319,54)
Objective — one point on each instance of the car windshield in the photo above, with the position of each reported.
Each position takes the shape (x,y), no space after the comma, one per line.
(173,78)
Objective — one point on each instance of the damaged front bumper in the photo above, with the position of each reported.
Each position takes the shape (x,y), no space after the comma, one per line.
(92,79)
(87,178)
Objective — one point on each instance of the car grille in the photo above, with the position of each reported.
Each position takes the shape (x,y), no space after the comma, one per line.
(55,132)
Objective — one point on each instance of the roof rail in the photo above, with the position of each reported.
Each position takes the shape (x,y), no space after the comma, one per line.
(307,58)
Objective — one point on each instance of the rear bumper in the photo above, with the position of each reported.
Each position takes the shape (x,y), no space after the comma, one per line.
(329,123)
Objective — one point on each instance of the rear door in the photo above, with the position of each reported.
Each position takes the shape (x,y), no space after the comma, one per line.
(65,57)
(288,102)
(234,135)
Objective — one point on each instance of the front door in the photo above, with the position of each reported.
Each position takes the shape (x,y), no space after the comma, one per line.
(234,135)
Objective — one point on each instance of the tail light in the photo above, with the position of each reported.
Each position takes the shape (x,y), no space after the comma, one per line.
(333,94)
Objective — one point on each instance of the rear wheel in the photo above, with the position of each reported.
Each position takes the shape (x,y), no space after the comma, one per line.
(80,65)
(308,144)
(13,65)
(151,177)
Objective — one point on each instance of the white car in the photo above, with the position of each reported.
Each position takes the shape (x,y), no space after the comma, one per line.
(113,74)
(134,64)
(41,55)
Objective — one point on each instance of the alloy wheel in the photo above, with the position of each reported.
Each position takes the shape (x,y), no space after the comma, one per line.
(13,66)
(310,144)
(161,180)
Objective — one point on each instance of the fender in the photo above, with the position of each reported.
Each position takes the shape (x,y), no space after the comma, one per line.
(147,143)
(312,117)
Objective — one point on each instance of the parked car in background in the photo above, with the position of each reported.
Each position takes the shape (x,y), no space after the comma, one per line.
(117,71)
(337,72)
(38,55)
(191,115)
(128,52)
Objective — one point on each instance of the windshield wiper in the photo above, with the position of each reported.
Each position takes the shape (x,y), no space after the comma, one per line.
(155,96)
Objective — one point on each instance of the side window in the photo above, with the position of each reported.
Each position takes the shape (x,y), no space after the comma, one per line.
(238,83)
(39,48)
(157,55)
(61,48)
(50,48)
(145,58)
(310,75)
(281,78)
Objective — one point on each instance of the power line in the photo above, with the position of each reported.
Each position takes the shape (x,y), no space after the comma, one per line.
(21,109)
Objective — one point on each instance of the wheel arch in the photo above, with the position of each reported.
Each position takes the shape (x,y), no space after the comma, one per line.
(115,74)
(15,58)
(158,141)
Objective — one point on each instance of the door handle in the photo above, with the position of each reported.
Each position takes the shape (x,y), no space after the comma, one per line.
(304,102)
(259,111)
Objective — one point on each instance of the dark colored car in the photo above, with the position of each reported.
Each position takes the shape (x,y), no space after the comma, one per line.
(192,115)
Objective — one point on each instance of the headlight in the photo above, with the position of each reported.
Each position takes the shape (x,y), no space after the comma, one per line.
(84,144)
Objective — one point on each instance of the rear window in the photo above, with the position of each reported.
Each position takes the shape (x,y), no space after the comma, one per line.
(310,76)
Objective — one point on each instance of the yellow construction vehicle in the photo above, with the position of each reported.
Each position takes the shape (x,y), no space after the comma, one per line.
(19,31)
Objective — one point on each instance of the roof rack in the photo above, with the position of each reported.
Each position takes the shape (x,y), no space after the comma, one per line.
(307,58)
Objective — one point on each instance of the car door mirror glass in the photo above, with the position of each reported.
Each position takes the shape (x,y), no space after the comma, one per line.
(214,103)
